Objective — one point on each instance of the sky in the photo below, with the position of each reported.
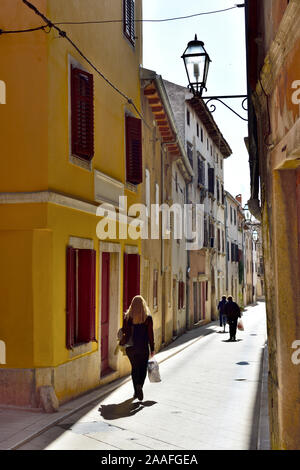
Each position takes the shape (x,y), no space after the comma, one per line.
(224,37)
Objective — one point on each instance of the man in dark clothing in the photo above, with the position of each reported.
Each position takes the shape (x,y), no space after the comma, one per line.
(233,312)
(222,315)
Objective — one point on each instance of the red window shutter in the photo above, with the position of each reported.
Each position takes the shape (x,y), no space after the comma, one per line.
(71,297)
(134,166)
(82,113)
(86,295)
(125,283)
(131,286)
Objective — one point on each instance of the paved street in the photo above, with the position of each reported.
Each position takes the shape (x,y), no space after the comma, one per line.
(207,400)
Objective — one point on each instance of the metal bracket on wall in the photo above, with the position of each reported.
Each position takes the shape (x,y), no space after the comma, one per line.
(221,98)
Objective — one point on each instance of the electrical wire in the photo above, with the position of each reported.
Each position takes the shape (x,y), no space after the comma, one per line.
(64,35)
(148,21)
(23,30)
(121,21)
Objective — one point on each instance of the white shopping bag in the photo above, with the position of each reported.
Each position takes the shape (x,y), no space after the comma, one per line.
(153,371)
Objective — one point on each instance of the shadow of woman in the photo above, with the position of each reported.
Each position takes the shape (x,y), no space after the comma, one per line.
(124,409)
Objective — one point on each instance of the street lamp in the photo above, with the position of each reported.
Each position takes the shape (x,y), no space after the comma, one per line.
(196,61)
(255,235)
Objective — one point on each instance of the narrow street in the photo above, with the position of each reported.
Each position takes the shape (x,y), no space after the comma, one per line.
(207,400)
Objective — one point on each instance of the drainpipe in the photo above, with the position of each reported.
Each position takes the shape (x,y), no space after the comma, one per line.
(188,269)
(226,241)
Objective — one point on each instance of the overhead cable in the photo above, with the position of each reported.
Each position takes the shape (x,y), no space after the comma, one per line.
(65,36)
(148,21)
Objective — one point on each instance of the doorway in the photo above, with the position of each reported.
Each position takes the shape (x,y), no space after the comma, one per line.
(105,304)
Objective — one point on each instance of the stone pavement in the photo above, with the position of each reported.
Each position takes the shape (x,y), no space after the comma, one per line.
(20,426)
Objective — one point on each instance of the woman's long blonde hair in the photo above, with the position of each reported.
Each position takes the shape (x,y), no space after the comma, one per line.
(138,310)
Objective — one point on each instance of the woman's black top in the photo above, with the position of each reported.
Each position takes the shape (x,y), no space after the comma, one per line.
(141,333)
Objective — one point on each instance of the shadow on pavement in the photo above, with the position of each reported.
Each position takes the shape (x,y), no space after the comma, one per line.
(194,333)
(124,409)
(228,341)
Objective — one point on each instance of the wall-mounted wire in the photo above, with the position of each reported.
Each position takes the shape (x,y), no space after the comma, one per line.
(64,35)
(163,20)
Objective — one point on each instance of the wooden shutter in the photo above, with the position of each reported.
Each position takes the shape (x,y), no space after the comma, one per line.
(131,284)
(180,295)
(211,180)
(201,172)
(134,170)
(71,300)
(128,20)
(86,295)
(82,113)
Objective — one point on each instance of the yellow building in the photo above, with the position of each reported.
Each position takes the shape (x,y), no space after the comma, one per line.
(166,165)
(69,142)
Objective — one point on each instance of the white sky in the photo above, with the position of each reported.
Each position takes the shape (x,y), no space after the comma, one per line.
(224,37)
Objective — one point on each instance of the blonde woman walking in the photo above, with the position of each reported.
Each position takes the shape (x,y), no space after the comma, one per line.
(137,337)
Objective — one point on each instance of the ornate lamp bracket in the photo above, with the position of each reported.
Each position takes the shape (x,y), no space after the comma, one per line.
(212,107)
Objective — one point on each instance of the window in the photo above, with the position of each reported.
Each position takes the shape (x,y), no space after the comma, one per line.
(230,214)
(218,191)
(133,150)
(219,240)
(234,216)
(201,172)
(232,252)
(197,130)
(81,280)
(211,235)
(155,287)
(205,239)
(131,285)
(82,114)
(222,194)
(188,117)
(128,20)
(211,181)
(180,295)
(201,133)
(190,153)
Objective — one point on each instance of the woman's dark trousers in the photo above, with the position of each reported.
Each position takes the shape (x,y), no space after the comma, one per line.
(232,328)
(139,360)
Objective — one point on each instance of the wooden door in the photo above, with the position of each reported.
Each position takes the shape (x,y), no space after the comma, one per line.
(203,299)
(195,299)
(105,310)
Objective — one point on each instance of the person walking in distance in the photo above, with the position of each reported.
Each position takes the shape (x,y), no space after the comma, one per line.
(222,315)
(232,312)
(137,338)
